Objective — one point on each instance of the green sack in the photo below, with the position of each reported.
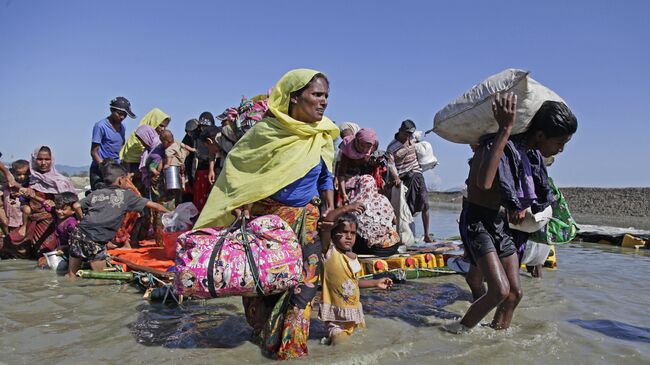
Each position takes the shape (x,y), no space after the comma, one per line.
(561,228)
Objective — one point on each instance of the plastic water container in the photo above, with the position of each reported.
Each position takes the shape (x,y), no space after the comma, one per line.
(169,242)
(54,261)
(426,260)
(551,260)
(441,261)
(631,241)
(173,178)
(373,266)
(402,262)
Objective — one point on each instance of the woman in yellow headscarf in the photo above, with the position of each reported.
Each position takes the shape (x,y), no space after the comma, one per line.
(282,166)
(133,148)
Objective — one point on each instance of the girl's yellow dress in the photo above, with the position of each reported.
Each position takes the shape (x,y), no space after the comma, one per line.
(340,306)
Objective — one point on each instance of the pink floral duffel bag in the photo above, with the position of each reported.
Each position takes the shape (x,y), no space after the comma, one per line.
(260,258)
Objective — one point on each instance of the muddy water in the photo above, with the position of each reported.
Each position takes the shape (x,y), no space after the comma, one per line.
(592,310)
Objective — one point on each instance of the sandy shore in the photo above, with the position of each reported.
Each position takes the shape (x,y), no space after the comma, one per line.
(617,207)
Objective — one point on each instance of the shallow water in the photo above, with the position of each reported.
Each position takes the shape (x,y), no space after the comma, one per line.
(592,310)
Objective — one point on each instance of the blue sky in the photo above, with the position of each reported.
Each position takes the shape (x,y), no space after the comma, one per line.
(62,61)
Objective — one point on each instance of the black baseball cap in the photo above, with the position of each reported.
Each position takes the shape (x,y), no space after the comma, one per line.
(123,104)
(191,125)
(407,126)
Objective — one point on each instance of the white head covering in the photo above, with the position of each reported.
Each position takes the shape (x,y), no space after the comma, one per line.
(354,127)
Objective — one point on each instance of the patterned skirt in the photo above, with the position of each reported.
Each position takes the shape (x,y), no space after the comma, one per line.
(376,222)
(281,322)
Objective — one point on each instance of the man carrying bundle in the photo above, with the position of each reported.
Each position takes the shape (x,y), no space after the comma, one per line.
(402,148)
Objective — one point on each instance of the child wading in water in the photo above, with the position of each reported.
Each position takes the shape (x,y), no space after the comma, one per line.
(340,307)
(67,206)
(507,172)
(104,210)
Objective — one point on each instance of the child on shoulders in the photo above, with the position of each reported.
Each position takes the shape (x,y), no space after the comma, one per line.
(340,307)
(104,209)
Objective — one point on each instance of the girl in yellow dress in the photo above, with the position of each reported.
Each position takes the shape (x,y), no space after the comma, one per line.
(340,306)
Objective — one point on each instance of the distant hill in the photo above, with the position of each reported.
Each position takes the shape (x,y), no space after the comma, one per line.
(71,170)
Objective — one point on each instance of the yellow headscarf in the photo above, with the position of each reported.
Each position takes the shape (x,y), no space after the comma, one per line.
(133,148)
(273,154)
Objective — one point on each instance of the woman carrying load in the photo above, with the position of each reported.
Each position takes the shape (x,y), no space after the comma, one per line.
(360,174)
(282,166)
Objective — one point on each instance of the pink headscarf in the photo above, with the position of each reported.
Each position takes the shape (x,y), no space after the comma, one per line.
(365,135)
(50,182)
(150,140)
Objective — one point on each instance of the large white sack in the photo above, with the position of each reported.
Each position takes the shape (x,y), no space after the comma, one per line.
(469,117)
(426,158)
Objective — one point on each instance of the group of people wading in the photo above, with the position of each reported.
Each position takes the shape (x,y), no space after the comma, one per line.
(274,154)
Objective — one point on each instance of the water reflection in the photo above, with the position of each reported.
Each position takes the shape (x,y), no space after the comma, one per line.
(193,325)
(221,325)
(616,329)
(414,301)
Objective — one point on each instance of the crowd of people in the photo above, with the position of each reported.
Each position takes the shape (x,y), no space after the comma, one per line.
(277,153)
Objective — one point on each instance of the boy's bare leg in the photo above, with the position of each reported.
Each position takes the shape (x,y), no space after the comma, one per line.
(74,264)
(425,224)
(474,279)
(535,271)
(27,210)
(498,289)
(98,265)
(506,309)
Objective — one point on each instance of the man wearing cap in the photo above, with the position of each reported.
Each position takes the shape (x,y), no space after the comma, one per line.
(402,148)
(108,137)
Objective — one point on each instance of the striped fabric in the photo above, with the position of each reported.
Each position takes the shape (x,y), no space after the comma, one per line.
(405,158)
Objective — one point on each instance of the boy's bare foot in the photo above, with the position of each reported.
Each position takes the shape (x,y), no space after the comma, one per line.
(339,338)
(428,239)
(456,328)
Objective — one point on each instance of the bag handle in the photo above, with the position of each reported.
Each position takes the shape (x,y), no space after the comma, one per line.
(251,260)
(216,250)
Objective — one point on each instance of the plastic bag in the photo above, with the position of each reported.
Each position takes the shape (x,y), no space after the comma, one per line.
(426,158)
(404,216)
(533,222)
(180,219)
(561,228)
(535,253)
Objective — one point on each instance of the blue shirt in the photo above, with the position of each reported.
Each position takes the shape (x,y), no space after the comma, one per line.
(110,141)
(300,192)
